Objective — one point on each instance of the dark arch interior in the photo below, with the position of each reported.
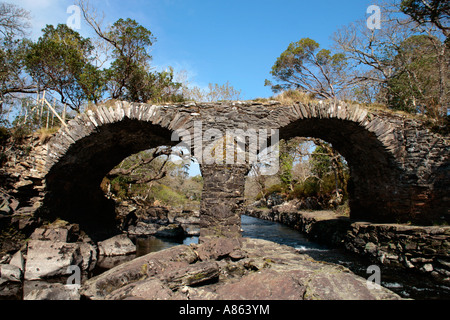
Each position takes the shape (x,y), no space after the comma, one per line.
(373,171)
(73,184)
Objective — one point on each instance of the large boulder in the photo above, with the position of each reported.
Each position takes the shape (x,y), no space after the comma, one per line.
(145,267)
(46,259)
(119,245)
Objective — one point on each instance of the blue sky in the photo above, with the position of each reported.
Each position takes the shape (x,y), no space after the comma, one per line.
(218,41)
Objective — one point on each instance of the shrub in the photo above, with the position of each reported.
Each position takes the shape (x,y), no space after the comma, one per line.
(168,196)
(4,135)
(309,188)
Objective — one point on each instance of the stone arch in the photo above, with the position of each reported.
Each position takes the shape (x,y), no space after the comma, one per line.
(399,168)
(384,183)
(82,153)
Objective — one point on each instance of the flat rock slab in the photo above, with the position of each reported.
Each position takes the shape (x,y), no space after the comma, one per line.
(262,271)
(142,268)
(47,259)
(119,245)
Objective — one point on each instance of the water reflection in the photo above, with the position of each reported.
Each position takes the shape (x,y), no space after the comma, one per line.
(152,244)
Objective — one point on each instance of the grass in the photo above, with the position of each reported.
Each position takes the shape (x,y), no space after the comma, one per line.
(45,134)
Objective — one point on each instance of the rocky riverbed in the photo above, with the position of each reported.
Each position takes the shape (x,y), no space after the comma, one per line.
(227,270)
(247,269)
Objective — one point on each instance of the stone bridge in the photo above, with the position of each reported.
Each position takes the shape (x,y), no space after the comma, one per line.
(399,168)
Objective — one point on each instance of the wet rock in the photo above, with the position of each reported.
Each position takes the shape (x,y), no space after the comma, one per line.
(119,245)
(170,231)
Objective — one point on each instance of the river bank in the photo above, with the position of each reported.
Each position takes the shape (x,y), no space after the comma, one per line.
(422,249)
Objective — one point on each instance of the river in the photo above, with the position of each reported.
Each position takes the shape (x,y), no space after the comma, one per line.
(404,283)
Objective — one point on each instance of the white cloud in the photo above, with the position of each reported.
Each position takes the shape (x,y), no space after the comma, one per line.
(45,12)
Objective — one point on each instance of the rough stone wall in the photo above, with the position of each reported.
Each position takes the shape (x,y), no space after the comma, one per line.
(424,249)
(222,201)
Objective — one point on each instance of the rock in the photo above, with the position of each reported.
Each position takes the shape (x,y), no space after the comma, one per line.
(170,231)
(194,274)
(10,273)
(119,245)
(4,206)
(281,274)
(38,290)
(153,289)
(427,267)
(370,248)
(49,259)
(264,285)
(52,234)
(191,230)
(217,248)
(150,265)
(143,229)
(18,261)
(89,254)
(5,259)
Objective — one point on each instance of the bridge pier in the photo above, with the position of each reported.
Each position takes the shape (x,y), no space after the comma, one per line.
(222,201)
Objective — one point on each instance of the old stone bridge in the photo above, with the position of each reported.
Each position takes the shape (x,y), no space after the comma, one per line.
(399,168)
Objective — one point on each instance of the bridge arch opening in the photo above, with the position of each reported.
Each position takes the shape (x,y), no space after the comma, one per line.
(310,172)
(73,184)
(374,174)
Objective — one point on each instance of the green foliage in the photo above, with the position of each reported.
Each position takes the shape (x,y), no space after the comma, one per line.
(129,76)
(273,189)
(304,66)
(309,188)
(120,187)
(61,61)
(321,162)
(286,164)
(168,196)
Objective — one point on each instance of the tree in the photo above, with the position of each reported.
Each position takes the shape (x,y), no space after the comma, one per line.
(130,76)
(131,43)
(417,87)
(326,160)
(61,61)
(14,23)
(304,66)
(214,92)
(436,12)
(386,64)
